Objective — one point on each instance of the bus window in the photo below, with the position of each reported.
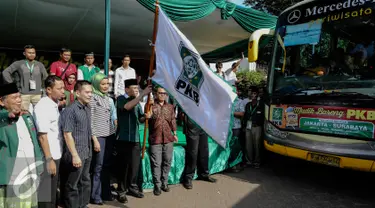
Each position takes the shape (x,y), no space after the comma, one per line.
(326,55)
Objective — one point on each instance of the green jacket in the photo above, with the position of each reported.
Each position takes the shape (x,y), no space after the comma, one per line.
(87,74)
(9,145)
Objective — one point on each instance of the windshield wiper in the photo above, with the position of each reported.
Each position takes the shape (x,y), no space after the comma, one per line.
(354,95)
(297,91)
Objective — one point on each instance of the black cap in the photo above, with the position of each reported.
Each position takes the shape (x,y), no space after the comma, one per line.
(130,82)
(89,54)
(8,89)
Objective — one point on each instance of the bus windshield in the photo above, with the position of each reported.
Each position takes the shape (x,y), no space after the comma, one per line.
(334,52)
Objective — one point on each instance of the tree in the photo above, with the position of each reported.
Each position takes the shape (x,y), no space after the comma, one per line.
(250,78)
(274,7)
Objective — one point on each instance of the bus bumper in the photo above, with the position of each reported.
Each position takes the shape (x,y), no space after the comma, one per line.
(359,156)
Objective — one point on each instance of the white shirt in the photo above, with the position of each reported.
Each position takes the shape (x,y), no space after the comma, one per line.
(25,152)
(122,74)
(80,75)
(231,78)
(47,116)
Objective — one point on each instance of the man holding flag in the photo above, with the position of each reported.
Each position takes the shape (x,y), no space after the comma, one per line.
(185,76)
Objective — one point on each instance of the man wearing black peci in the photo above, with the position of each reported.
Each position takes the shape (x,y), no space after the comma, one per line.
(130,115)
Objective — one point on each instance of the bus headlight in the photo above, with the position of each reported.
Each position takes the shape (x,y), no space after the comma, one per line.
(271,129)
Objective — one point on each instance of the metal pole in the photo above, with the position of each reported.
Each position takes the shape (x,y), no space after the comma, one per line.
(107,35)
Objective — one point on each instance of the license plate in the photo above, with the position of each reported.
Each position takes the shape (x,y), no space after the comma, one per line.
(324,159)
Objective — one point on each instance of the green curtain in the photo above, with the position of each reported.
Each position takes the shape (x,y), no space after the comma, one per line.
(188,10)
(220,159)
(181,10)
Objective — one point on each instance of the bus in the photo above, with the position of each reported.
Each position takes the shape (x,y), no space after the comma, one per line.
(320,97)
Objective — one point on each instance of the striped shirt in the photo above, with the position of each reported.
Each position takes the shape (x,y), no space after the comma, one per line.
(101,113)
(76,119)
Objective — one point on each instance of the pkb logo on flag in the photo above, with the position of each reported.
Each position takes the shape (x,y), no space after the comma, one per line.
(191,78)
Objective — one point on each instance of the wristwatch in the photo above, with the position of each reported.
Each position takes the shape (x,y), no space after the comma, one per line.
(49,159)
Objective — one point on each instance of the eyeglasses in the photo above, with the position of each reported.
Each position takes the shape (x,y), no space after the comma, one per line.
(61,99)
(162,93)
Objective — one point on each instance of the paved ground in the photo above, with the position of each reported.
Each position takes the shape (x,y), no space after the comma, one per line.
(282,182)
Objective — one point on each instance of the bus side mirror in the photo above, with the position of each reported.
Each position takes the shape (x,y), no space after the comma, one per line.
(253,46)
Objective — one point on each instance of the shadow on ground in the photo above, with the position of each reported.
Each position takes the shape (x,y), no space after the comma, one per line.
(287,182)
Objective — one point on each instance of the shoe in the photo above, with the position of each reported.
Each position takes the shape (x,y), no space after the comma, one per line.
(136,194)
(256,165)
(110,198)
(165,188)
(188,184)
(122,199)
(236,169)
(249,164)
(208,179)
(157,191)
(96,202)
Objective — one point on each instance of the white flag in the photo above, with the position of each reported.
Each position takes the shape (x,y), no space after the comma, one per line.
(204,97)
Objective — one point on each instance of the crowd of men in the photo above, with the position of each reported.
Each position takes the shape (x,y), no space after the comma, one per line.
(80,115)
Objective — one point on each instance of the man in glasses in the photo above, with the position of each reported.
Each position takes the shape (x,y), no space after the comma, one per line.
(31,74)
(163,133)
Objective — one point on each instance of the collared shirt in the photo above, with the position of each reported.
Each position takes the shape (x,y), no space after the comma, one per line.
(37,72)
(240,107)
(101,122)
(255,113)
(231,78)
(46,114)
(121,75)
(58,68)
(25,152)
(162,123)
(128,120)
(76,119)
(85,72)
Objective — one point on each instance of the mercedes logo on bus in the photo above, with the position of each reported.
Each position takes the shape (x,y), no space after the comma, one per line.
(294,16)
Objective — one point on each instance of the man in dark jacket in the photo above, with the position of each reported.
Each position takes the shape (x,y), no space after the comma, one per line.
(253,122)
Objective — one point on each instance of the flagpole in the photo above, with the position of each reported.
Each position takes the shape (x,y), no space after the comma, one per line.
(151,69)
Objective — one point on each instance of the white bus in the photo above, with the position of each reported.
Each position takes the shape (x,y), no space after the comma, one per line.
(320,99)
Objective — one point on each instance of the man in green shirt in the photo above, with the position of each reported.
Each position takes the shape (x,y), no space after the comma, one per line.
(20,153)
(86,71)
(128,148)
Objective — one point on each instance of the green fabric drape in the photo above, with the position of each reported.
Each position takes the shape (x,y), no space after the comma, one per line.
(219,158)
(179,10)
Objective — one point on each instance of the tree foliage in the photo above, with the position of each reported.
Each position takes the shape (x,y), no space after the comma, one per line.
(250,78)
(274,7)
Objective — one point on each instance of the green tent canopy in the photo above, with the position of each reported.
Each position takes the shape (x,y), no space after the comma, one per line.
(249,19)
(79,25)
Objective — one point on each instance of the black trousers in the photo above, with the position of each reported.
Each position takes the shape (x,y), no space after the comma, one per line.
(196,151)
(128,161)
(76,183)
(47,192)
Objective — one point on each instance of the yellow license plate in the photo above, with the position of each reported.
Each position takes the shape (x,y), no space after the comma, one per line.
(324,159)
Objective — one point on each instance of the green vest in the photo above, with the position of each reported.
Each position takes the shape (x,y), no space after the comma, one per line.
(87,74)
(9,145)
